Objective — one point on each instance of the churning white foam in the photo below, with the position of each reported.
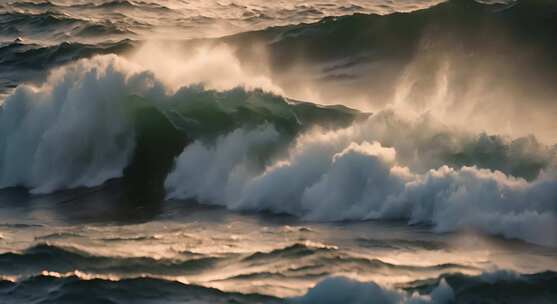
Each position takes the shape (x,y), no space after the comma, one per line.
(342,290)
(349,175)
(72,131)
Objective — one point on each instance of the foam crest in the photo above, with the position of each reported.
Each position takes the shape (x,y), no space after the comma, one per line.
(72,131)
(350,175)
(216,67)
(225,168)
(342,290)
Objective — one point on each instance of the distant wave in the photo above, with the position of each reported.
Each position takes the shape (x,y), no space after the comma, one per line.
(293,251)
(11,20)
(447,60)
(67,261)
(24,62)
(102,118)
(52,25)
(400,244)
(93,4)
(74,287)
(304,261)
(63,259)
(332,256)
(125,4)
(398,37)
(17,56)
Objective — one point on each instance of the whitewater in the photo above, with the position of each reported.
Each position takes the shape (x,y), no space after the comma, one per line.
(286,152)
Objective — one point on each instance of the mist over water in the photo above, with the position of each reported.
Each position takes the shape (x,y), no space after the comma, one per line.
(250,152)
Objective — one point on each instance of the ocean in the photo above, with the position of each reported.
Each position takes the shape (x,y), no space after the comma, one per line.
(323,152)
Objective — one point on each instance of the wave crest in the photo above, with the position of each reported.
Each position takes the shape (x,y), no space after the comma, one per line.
(81,127)
(348,175)
(71,131)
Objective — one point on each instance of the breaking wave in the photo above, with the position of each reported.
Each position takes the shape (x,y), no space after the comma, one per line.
(106,118)
(92,119)
(232,144)
(217,121)
(70,132)
(349,174)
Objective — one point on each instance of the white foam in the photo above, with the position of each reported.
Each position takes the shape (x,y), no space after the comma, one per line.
(72,131)
(340,175)
(336,290)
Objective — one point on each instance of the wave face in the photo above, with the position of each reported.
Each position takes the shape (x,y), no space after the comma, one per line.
(450,60)
(52,25)
(78,20)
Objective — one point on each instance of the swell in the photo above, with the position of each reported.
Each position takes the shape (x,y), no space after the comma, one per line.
(57,26)
(126,5)
(312,261)
(292,252)
(103,4)
(399,244)
(236,147)
(24,62)
(294,262)
(76,288)
(446,60)
(397,37)
(60,259)
(453,288)
(11,20)
(34,56)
